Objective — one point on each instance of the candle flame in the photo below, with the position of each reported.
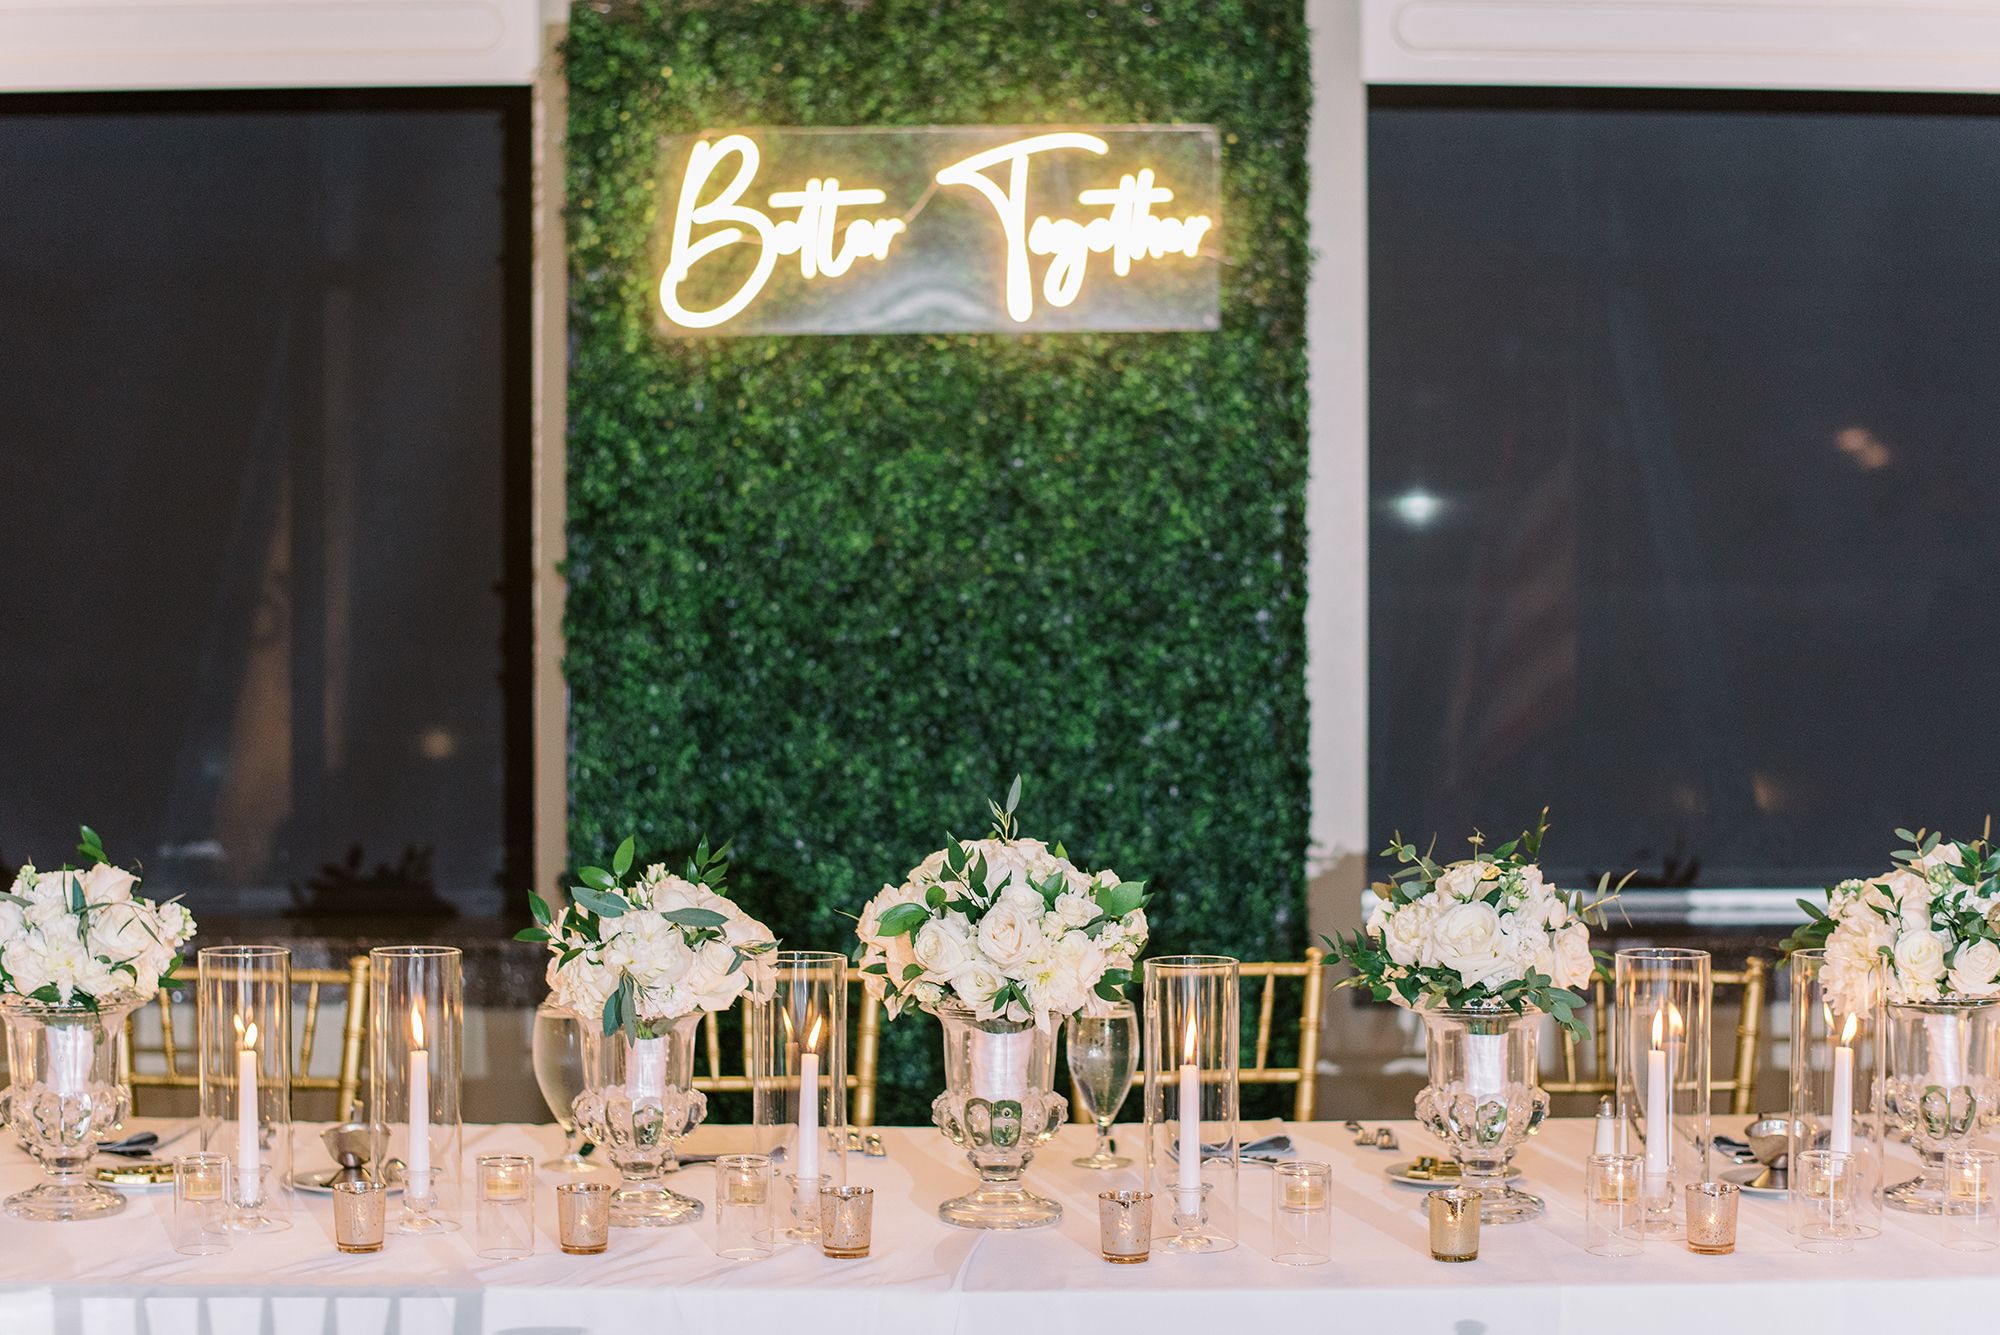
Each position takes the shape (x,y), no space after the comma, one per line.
(1666,1023)
(417,1025)
(812,1035)
(246,1032)
(1187,1044)
(786,1016)
(1847,1031)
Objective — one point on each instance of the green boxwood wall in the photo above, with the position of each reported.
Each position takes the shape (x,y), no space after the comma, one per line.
(827,594)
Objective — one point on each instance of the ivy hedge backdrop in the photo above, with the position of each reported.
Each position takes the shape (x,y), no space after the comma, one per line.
(827,594)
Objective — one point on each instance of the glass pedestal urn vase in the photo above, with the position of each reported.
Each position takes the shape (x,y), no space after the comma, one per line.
(66,1096)
(1943,1086)
(639,1099)
(1482,1101)
(998,1105)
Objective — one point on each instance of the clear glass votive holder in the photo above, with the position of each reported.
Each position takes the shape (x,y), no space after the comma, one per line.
(1711,1217)
(743,1206)
(1125,1226)
(1302,1213)
(1968,1221)
(801,1206)
(1454,1219)
(583,1217)
(359,1211)
(1613,1220)
(506,1206)
(1824,1188)
(259,1201)
(846,1221)
(201,1204)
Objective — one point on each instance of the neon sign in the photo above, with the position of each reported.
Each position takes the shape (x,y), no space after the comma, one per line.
(937,230)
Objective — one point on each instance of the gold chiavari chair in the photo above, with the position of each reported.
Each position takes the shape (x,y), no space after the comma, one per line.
(179,1065)
(1258,1069)
(1740,1085)
(863,1054)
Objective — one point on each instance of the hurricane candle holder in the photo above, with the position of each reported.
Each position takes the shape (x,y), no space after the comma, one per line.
(1193,1084)
(243,1016)
(416,1015)
(798,1074)
(1663,1001)
(1837,1089)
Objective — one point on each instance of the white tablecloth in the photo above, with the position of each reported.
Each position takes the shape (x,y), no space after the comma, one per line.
(120,1276)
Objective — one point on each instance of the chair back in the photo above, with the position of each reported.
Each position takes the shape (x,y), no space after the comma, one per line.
(1750,982)
(712,1075)
(170,1064)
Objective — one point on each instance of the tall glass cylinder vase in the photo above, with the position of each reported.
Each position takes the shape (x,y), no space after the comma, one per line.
(1942,1087)
(1482,1100)
(999,1104)
(416,1021)
(1837,1081)
(243,1020)
(65,1097)
(798,1077)
(1193,1087)
(1662,1052)
(638,1100)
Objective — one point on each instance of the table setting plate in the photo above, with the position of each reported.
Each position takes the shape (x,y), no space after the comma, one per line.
(1448,1176)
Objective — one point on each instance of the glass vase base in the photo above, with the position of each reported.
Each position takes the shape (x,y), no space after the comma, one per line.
(987,1207)
(571,1165)
(1506,1205)
(1917,1196)
(657,1208)
(1102,1163)
(57,1202)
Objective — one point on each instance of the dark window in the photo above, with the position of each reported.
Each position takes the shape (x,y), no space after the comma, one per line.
(263,452)
(1685,457)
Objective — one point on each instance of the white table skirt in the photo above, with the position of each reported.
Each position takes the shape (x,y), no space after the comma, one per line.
(120,1276)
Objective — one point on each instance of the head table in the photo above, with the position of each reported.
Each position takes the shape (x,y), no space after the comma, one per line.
(120,1276)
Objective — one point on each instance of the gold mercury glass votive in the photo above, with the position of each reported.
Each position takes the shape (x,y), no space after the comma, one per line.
(583,1217)
(1454,1224)
(1711,1217)
(846,1221)
(358,1210)
(1125,1226)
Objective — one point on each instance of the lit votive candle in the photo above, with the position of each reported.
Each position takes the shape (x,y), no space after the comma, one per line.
(1965,1179)
(846,1221)
(1302,1190)
(201,1176)
(1454,1214)
(1125,1226)
(583,1217)
(745,1183)
(504,1179)
(1711,1217)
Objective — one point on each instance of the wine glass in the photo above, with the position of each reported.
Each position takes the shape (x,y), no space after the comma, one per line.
(558,1058)
(1103,1056)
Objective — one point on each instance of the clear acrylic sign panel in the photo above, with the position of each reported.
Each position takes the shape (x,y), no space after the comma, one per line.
(1018,229)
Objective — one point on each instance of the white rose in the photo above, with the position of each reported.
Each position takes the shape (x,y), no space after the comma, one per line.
(1975,972)
(1463,880)
(53,920)
(13,921)
(713,978)
(1011,931)
(121,931)
(1076,910)
(1405,931)
(1466,938)
(1920,956)
(50,887)
(105,884)
(975,985)
(1573,962)
(943,945)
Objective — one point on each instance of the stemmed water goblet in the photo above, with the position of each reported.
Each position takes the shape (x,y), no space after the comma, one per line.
(558,1057)
(1103,1055)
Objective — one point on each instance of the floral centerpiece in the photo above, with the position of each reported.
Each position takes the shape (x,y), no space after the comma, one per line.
(1481,948)
(1006,927)
(1486,931)
(1923,939)
(79,950)
(640,955)
(639,964)
(1931,923)
(80,936)
(1000,938)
